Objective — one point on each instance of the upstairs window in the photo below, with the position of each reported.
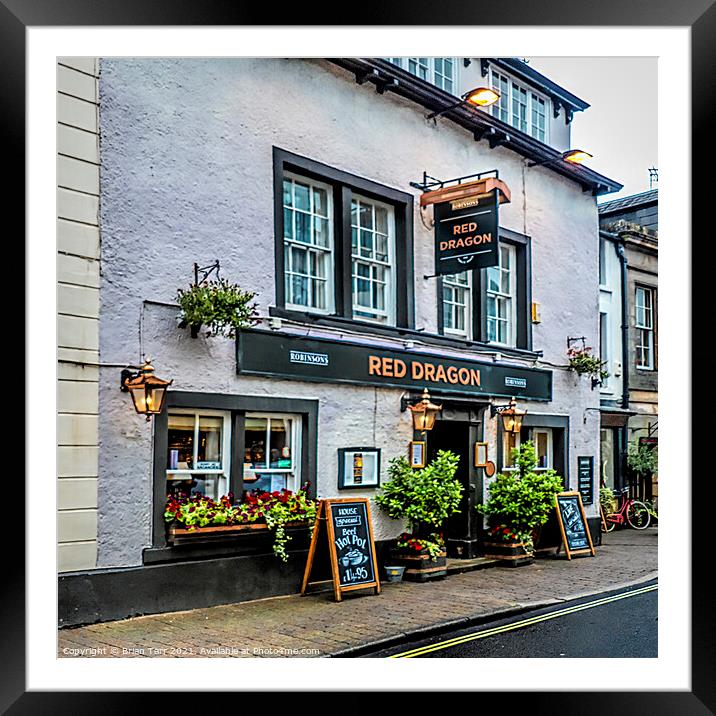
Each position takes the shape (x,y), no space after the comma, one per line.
(519,106)
(457,304)
(308,244)
(440,71)
(501,298)
(644,324)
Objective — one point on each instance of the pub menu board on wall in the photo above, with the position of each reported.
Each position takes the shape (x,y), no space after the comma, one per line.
(573,524)
(585,476)
(350,545)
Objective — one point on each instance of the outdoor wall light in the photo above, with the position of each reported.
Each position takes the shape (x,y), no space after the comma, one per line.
(573,156)
(511,416)
(148,392)
(424,413)
(480,97)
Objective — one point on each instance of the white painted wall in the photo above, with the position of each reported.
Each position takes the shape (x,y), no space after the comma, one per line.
(187,176)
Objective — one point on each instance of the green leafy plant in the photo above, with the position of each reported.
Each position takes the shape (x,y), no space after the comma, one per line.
(582,362)
(607,500)
(643,460)
(221,306)
(432,544)
(423,497)
(521,500)
(277,509)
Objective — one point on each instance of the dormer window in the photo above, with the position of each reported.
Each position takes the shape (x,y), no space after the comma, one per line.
(520,106)
(440,71)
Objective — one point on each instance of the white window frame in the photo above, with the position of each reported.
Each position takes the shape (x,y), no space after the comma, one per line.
(225,471)
(387,315)
(500,296)
(647,328)
(294,483)
(506,449)
(449,305)
(508,106)
(550,446)
(329,251)
(432,73)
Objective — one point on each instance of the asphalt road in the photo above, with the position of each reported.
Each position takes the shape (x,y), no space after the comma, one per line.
(614,624)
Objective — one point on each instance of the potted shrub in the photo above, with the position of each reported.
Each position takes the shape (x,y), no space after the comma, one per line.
(520,502)
(197,518)
(425,498)
(221,306)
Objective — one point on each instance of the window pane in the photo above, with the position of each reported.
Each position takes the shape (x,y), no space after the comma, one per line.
(287,193)
(491,329)
(255,442)
(320,202)
(493,279)
(320,229)
(209,448)
(299,290)
(366,244)
(280,445)
(180,434)
(365,216)
(381,220)
(303,196)
(541,445)
(287,224)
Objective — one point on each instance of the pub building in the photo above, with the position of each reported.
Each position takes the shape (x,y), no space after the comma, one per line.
(400,232)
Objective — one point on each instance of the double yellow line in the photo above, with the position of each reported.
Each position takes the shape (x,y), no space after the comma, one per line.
(420,651)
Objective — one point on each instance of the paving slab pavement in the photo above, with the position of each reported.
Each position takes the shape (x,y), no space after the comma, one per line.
(316,626)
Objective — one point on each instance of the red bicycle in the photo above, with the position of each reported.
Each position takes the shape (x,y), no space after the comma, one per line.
(631,512)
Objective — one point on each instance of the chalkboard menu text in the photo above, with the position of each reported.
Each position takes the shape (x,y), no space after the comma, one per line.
(573,524)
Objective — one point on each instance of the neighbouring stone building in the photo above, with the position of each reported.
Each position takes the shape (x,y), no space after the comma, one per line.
(629,332)
(303,179)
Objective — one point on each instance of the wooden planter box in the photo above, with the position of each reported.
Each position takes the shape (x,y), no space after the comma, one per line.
(511,554)
(419,567)
(181,535)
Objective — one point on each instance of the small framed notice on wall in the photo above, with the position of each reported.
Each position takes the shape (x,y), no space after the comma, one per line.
(416,453)
(480,454)
(358,467)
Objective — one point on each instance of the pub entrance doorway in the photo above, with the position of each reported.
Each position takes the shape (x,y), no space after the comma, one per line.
(457,430)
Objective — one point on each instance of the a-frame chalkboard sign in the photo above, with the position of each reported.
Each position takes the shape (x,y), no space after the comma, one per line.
(576,538)
(351,547)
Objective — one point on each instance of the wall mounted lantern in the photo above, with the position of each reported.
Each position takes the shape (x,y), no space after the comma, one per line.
(424,413)
(479,97)
(511,416)
(571,156)
(148,392)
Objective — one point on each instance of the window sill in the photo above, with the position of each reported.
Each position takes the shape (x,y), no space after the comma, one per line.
(399,332)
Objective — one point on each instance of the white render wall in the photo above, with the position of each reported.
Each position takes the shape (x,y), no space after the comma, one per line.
(78,278)
(187,176)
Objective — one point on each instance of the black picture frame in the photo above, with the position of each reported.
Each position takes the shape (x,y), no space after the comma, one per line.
(344,483)
(698,15)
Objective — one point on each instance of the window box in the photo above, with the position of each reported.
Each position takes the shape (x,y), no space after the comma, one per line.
(178,535)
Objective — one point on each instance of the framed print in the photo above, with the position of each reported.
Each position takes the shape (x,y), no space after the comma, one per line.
(358,467)
(416,453)
(480,456)
(297,157)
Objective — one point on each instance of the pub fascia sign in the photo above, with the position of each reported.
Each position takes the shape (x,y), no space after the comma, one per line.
(267,353)
(467,224)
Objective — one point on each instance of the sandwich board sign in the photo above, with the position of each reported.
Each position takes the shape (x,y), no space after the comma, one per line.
(351,547)
(576,538)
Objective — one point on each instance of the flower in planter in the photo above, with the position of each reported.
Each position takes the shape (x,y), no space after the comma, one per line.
(583,362)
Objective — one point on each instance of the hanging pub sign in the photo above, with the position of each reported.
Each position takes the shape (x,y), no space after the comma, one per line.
(467,224)
(351,548)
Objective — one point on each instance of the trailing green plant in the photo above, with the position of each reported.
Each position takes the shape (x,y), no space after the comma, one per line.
(277,509)
(607,500)
(582,362)
(432,544)
(425,497)
(643,459)
(521,500)
(219,305)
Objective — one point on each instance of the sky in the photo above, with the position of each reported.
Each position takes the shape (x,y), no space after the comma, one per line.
(620,127)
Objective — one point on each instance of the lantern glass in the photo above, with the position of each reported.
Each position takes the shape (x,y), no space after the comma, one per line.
(155,398)
(424,413)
